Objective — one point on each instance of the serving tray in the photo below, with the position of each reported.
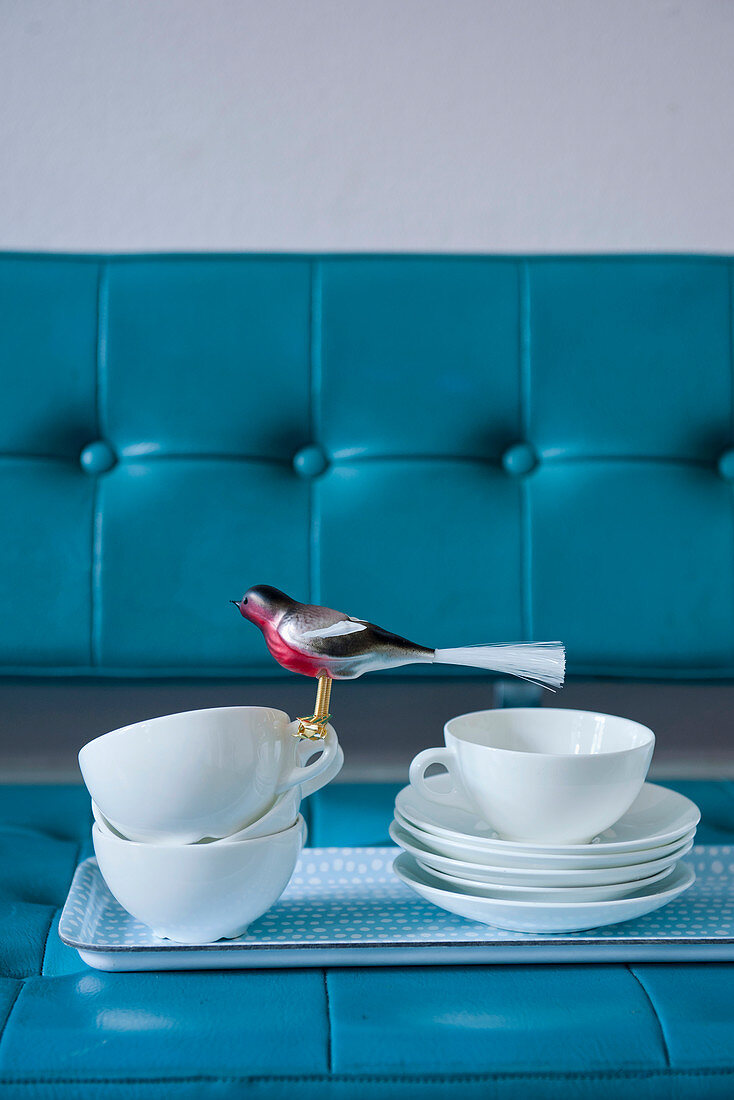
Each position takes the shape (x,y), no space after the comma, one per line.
(346,907)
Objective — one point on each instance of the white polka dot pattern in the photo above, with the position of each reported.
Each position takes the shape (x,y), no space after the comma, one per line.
(350,896)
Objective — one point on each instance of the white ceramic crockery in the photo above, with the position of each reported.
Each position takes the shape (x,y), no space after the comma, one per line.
(546,893)
(198,893)
(531,916)
(281,815)
(587,856)
(285,809)
(543,775)
(531,876)
(203,773)
(658,816)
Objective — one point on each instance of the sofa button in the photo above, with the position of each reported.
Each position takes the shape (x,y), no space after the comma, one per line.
(97,457)
(519,459)
(310,461)
(726,465)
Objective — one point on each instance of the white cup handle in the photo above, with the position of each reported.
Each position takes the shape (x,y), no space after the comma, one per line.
(418,770)
(319,781)
(301,774)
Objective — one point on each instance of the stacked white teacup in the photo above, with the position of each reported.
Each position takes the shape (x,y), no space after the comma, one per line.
(544,822)
(197,824)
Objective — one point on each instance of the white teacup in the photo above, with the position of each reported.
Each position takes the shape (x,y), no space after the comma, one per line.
(284,810)
(545,775)
(203,773)
(281,815)
(198,893)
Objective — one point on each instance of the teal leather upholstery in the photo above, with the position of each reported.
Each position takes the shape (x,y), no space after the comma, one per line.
(463,449)
(460,448)
(508,1032)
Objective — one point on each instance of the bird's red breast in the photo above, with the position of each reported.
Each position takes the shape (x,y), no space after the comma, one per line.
(289,657)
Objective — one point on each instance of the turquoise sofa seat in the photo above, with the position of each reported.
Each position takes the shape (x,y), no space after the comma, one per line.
(479,1031)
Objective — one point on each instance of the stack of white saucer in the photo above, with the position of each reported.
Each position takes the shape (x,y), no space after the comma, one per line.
(197,815)
(544,823)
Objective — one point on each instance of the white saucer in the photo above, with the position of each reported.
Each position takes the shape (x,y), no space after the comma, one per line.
(657,816)
(544,893)
(489,853)
(529,916)
(512,876)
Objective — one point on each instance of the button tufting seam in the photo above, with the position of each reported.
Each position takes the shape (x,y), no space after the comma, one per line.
(410,1079)
(730,276)
(100,394)
(549,457)
(45,941)
(525,337)
(329,1058)
(315,368)
(11,1009)
(57,911)
(526,561)
(650,1001)
(95,577)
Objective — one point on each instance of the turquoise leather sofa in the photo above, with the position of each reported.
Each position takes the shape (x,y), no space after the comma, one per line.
(467,448)
(462,448)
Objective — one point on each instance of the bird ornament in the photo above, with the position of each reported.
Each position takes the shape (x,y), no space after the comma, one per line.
(330,645)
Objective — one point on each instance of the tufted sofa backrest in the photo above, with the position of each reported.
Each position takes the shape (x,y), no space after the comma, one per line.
(463,449)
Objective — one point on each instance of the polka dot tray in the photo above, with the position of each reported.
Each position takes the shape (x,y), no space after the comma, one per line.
(346,907)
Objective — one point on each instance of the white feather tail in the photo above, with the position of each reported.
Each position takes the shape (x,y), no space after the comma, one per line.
(542,663)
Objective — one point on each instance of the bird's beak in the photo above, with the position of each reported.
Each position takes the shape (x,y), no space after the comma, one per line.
(236,603)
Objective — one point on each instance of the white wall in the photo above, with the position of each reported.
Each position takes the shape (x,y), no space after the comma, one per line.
(497,125)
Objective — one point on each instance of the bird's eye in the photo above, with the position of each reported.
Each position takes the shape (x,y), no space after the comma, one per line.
(244,599)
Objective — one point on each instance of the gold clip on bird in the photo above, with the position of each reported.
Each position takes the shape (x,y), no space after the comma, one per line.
(321,642)
(314,726)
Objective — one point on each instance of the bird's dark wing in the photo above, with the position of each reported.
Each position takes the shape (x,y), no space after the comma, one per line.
(304,625)
(327,633)
(307,616)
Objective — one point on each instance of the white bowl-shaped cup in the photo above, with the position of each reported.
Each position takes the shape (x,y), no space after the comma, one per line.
(281,815)
(284,810)
(546,775)
(105,825)
(198,893)
(203,773)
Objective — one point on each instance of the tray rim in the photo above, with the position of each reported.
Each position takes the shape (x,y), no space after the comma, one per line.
(536,945)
